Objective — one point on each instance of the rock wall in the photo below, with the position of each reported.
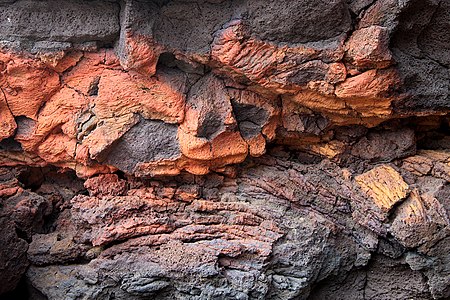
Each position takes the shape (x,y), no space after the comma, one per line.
(225,149)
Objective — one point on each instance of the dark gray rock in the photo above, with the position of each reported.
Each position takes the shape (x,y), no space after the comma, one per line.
(374,282)
(209,98)
(420,47)
(250,118)
(298,21)
(189,26)
(389,279)
(74,21)
(385,146)
(434,40)
(13,255)
(148,141)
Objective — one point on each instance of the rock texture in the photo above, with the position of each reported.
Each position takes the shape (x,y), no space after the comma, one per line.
(235,149)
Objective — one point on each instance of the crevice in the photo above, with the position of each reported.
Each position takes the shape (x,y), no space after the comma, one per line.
(21,234)
(364,288)
(6,100)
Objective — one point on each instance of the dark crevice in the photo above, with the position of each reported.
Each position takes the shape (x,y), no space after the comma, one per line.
(9,144)
(24,291)
(93,88)
(21,234)
(32,178)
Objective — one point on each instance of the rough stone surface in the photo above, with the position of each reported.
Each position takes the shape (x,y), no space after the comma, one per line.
(235,149)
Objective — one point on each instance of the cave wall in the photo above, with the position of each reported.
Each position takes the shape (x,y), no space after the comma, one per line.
(234,149)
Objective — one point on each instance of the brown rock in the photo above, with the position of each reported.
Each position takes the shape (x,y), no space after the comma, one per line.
(386,146)
(108,184)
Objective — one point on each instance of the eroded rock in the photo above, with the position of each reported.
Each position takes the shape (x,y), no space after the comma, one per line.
(228,149)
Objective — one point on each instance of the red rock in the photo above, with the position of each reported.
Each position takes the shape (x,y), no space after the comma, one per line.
(108,184)
(368,48)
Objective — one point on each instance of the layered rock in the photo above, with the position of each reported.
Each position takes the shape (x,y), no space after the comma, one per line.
(225,149)
(283,228)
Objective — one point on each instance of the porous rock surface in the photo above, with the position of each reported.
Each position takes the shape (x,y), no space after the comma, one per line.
(224,149)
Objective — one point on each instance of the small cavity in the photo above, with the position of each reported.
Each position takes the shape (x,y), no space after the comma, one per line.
(93,87)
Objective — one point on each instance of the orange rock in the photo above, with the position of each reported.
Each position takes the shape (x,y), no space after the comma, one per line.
(194,147)
(57,116)
(57,149)
(332,107)
(370,93)
(121,93)
(370,84)
(195,167)
(7,123)
(84,75)
(230,147)
(99,103)
(116,97)
(26,83)
(73,125)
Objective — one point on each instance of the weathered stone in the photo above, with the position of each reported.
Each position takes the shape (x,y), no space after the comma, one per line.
(369,48)
(229,149)
(387,146)
(418,220)
(26,84)
(145,142)
(209,130)
(321,20)
(73,21)
(13,258)
(384,186)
